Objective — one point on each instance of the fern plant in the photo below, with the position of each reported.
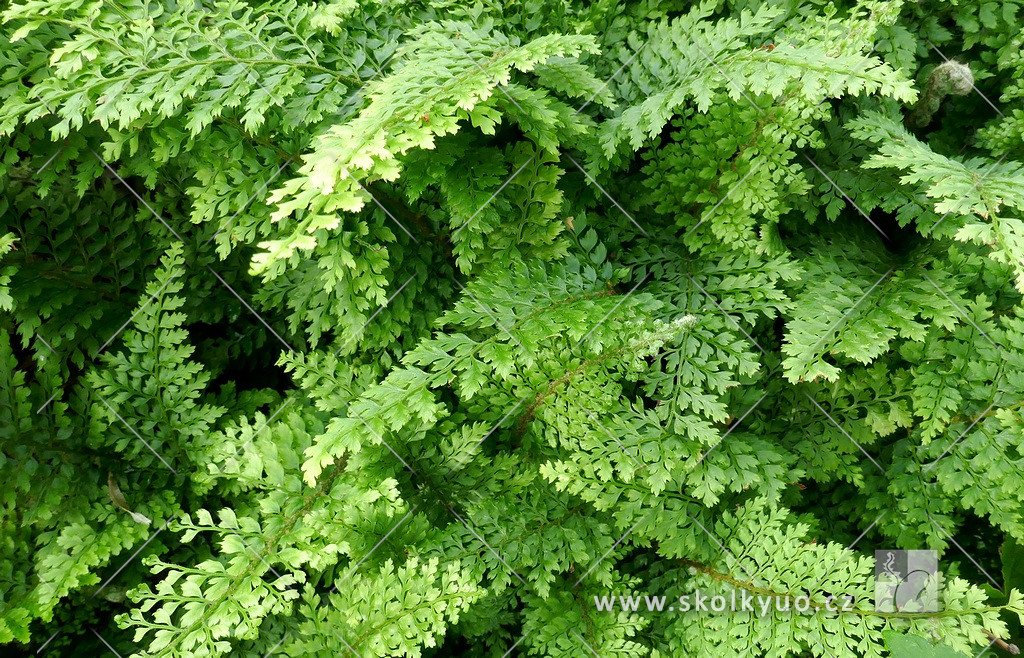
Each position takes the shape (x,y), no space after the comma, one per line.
(432,328)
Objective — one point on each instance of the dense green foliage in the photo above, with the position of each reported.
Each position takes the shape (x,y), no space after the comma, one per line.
(406,328)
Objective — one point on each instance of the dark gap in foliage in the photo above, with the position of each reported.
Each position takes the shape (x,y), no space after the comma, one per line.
(982,541)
